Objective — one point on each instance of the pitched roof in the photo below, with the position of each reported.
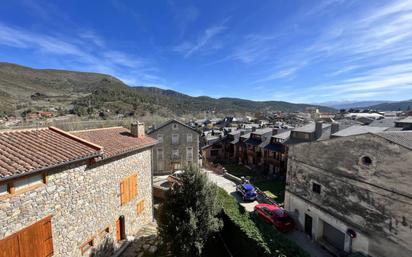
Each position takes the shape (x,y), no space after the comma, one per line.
(403,138)
(115,140)
(169,122)
(358,130)
(405,120)
(26,151)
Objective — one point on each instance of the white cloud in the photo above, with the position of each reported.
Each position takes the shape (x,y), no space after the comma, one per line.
(203,42)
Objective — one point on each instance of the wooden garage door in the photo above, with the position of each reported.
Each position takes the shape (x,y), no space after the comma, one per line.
(33,241)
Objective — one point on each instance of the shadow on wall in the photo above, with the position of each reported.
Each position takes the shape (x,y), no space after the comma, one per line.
(105,249)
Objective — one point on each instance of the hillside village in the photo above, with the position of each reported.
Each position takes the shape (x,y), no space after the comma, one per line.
(185,128)
(328,171)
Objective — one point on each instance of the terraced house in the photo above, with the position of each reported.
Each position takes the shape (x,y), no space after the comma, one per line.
(62,194)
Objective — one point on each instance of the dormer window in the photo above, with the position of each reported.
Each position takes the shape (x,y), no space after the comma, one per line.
(366,161)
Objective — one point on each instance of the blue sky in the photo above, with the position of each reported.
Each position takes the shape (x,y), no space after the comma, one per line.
(297,51)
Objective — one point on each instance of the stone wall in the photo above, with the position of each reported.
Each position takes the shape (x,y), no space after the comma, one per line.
(82,200)
(374,199)
(167,147)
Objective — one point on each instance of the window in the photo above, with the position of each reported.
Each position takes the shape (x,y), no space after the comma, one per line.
(128,189)
(175,126)
(160,153)
(214,153)
(86,246)
(189,153)
(104,232)
(175,154)
(316,188)
(189,138)
(175,139)
(366,161)
(160,138)
(140,207)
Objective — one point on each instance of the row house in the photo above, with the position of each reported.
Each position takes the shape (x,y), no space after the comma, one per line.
(352,194)
(65,194)
(178,147)
(251,149)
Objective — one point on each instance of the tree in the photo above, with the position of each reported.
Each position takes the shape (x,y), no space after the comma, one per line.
(188,217)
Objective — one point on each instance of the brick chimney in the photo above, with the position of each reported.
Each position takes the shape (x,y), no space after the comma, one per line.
(137,129)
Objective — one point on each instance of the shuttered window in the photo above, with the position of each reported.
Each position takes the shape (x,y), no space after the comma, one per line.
(33,241)
(128,189)
(140,207)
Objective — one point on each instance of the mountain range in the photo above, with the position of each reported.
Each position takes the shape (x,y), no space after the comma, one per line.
(85,93)
(381,105)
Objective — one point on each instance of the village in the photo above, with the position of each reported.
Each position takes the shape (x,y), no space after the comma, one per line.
(342,180)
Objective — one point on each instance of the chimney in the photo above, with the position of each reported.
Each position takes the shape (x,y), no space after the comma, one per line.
(274,131)
(253,129)
(318,129)
(137,129)
(334,128)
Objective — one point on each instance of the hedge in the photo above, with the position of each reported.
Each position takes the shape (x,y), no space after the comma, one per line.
(247,236)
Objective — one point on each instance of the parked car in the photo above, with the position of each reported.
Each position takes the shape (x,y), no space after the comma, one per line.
(247,191)
(276,215)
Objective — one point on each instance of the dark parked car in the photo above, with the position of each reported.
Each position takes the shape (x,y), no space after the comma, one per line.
(275,215)
(247,191)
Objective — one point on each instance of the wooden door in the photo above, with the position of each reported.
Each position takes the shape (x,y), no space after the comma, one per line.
(308,225)
(33,241)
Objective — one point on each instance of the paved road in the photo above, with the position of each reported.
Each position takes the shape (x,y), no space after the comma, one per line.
(298,237)
(230,187)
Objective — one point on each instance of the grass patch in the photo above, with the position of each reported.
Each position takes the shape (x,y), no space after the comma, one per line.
(276,187)
(239,170)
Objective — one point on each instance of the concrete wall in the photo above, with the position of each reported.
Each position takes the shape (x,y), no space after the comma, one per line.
(375,200)
(83,200)
(167,147)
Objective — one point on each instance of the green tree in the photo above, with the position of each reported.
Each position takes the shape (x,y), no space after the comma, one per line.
(188,218)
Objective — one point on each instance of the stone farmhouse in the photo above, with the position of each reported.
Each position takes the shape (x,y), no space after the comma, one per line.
(353,193)
(62,194)
(178,147)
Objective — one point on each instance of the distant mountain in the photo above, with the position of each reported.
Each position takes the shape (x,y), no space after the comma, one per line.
(85,93)
(393,106)
(352,104)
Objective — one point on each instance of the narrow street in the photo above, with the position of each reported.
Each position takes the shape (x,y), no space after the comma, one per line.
(298,237)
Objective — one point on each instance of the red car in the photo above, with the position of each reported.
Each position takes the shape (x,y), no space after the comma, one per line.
(275,215)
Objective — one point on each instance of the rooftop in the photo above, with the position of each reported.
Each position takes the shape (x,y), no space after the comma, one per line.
(405,120)
(25,151)
(115,140)
(403,138)
(358,130)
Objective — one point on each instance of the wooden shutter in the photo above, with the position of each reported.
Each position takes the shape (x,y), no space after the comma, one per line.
(133,186)
(9,247)
(140,206)
(47,238)
(123,192)
(118,232)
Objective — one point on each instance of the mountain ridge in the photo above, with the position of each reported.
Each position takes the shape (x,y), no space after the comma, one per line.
(90,93)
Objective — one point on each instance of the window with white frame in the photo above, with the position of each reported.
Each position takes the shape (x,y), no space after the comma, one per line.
(175,154)
(175,139)
(160,138)
(175,126)
(189,153)
(189,138)
(160,153)
(24,183)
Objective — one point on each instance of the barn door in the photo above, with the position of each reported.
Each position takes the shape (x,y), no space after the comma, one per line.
(33,241)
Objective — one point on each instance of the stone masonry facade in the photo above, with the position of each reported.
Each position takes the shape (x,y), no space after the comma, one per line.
(83,200)
(165,164)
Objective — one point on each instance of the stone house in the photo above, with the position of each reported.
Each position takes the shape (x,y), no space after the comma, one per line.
(353,193)
(252,148)
(178,147)
(63,194)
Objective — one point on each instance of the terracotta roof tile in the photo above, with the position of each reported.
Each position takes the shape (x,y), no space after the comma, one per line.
(23,151)
(115,140)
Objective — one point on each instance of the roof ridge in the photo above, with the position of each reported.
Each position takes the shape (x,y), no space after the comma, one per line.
(22,130)
(87,130)
(78,139)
